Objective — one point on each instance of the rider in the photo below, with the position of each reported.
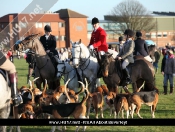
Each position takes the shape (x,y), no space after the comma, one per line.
(141,47)
(120,45)
(98,40)
(49,41)
(8,66)
(127,53)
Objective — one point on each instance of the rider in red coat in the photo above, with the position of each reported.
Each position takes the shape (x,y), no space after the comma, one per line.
(98,37)
(98,41)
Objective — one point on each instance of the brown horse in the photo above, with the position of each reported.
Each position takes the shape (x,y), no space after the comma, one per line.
(140,71)
(44,68)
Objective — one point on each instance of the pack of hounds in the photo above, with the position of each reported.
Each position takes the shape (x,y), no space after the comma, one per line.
(65,103)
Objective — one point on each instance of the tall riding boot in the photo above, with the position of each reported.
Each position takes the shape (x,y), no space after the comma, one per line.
(16,99)
(171,90)
(128,79)
(165,90)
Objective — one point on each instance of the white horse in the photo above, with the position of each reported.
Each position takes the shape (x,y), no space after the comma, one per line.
(87,66)
(5,97)
(66,70)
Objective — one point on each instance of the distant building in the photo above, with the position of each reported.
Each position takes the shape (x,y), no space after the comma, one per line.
(165,28)
(66,24)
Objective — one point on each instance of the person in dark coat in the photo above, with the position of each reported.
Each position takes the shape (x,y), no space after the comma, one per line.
(49,41)
(8,66)
(168,70)
(120,45)
(141,47)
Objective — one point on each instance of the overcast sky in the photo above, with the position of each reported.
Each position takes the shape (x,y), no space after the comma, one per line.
(90,8)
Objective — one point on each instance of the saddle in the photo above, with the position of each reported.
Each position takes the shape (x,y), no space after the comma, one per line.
(53,60)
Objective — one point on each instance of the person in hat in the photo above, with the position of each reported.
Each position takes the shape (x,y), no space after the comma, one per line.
(49,41)
(120,45)
(141,47)
(168,71)
(98,38)
(8,66)
(126,54)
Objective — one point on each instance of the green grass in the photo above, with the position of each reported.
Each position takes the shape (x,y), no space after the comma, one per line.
(165,109)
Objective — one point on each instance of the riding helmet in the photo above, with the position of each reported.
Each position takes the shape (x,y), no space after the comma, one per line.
(47,28)
(138,34)
(129,32)
(95,20)
(120,38)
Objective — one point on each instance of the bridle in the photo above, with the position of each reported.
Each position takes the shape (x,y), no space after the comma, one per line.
(80,59)
(64,73)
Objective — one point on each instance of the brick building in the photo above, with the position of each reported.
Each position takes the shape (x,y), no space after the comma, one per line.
(66,24)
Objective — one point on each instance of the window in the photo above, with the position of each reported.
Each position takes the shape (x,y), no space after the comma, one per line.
(46,23)
(164,34)
(153,35)
(23,25)
(159,34)
(2,26)
(62,38)
(56,38)
(61,24)
(38,25)
(148,35)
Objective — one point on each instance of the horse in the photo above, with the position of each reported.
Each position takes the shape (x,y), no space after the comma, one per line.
(87,66)
(44,68)
(69,73)
(141,71)
(5,97)
(151,51)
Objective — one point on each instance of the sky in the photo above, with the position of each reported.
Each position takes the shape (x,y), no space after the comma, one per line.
(90,8)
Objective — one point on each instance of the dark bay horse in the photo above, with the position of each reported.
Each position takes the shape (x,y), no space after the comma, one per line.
(140,71)
(44,68)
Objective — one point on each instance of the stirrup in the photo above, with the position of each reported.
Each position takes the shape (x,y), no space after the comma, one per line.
(128,80)
(17,100)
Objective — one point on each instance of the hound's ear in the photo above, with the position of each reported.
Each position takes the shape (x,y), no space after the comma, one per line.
(110,55)
(79,41)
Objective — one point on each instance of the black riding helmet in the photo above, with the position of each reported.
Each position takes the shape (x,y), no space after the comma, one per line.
(95,20)
(120,38)
(129,32)
(138,34)
(47,28)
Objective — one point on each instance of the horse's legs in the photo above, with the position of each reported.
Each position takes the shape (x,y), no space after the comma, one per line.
(30,71)
(134,87)
(116,89)
(4,114)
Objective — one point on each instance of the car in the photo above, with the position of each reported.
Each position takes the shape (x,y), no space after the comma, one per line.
(150,42)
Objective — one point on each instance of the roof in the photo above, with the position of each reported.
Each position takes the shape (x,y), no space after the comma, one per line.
(67,13)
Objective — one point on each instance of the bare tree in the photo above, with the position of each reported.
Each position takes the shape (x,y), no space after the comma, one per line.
(130,14)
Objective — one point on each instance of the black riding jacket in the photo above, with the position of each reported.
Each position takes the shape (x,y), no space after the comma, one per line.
(141,47)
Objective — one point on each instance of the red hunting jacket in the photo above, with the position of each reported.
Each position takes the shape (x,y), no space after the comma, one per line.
(98,40)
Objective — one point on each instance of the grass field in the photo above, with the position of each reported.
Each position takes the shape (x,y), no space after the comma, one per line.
(165,109)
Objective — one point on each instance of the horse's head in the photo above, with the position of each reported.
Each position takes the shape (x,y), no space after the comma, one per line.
(151,49)
(79,52)
(18,46)
(27,43)
(61,67)
(105,62)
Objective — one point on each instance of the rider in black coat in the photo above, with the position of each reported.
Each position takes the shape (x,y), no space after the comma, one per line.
(141,48)
(49,41)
